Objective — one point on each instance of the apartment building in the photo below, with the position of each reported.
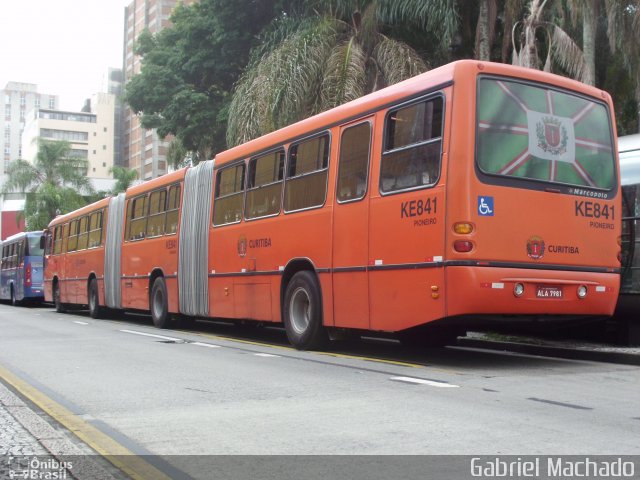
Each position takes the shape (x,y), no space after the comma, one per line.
(90,133)
(19,99)
(143,150)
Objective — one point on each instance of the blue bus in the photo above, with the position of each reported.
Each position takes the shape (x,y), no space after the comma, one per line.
(21,270)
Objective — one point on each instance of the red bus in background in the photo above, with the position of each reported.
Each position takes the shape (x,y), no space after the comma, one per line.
(473,192)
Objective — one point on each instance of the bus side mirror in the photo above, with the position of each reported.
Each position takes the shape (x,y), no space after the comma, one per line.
(42,242)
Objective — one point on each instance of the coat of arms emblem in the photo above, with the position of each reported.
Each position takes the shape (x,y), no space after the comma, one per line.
(535,248)
(242,246)
(552,136)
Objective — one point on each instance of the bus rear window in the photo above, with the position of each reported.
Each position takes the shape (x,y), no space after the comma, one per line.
(537,133)
(33,247)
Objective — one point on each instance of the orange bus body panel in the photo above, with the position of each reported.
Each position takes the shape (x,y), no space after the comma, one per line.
(73,269)
(141,258)
(392,259)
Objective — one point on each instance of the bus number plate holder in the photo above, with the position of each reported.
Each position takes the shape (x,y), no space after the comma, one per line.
(545,291)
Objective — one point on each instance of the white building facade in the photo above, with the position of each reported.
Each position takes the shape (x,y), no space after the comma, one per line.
(91,134)
(19,99)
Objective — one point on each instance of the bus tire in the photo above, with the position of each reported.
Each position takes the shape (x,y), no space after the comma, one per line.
(302,312)
(14,301)
(158,304)
(95,310)
(56,299)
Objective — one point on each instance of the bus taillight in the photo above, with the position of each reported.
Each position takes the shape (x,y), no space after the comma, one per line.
(27,275)
(463,246)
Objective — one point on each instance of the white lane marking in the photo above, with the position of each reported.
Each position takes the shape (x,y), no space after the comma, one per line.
(152,335)
(265,355)
(208,345)
(80,323)
(420,381)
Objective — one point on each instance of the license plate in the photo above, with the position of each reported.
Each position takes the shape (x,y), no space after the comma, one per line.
(548,292)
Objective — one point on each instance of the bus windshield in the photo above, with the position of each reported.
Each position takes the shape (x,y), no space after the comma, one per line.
(33,246)
(533,132)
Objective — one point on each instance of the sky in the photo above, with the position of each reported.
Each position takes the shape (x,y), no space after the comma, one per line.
(63,46)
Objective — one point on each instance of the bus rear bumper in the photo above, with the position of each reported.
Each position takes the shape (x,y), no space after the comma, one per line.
(36,291)
(513,291)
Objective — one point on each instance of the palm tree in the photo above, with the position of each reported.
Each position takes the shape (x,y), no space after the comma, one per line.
(124,178)
(54,183)
(310,64)
(560,46)
(623,29)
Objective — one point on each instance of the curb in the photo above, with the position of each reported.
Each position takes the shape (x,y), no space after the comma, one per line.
(549,351)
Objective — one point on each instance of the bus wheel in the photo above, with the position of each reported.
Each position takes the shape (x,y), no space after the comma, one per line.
(159,305)
(56,299)
(14,300)
(303,312)
(95,310)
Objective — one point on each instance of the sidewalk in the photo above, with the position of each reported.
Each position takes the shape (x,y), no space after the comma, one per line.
(30,445)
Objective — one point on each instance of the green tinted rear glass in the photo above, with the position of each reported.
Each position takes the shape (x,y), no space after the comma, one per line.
(538,133)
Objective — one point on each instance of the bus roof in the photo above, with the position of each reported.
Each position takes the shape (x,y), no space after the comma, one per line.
(81,211)
(413,87)
(18,236)
(629,150)
(131,191)
(164,180)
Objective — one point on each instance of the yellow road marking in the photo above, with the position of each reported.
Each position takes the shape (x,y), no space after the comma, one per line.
(239,340)
(372,359)
(120,456)
(331,354)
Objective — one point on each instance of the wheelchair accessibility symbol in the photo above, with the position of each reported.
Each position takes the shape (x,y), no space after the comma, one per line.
(485,206)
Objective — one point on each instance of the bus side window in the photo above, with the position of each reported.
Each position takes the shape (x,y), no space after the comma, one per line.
(173,207)
(306,184)
(57,240)
(20,252)
(95,229)
(353,166)
(11,257)
(83,233)
(264,185)
(137,217)
(157,207)
(227,207)
(65,237)
(413,138)
(48,242)
(72,242)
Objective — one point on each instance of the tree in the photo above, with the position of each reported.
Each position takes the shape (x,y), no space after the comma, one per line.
(53,184)
(189,69)
(558,43)
(334,52)
(623,30)
(124,178)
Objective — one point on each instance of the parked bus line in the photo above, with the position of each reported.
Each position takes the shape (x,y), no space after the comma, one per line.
(473,193)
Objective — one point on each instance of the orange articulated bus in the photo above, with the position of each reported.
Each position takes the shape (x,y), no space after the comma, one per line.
(474,192)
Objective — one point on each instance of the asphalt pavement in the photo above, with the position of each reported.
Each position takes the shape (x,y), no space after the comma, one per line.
(124,387)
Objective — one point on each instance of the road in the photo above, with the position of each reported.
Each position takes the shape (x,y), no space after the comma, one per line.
(220,390)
